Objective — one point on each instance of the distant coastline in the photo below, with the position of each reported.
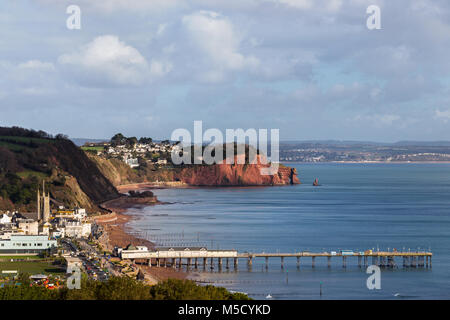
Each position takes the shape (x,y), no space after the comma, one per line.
(368,162)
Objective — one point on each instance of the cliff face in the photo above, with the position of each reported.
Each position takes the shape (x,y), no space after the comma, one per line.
(116,171)
(70,176)
(197,175)
(236,175)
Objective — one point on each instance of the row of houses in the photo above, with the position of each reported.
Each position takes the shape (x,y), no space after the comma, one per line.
(130,154)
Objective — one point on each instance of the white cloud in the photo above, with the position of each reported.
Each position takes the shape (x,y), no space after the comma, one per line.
(160,68)
(329,5)
(37,65)
(215,37)
(108,61)
(32,77)
(299,4)
(119,5)
(378,120)
(442,115)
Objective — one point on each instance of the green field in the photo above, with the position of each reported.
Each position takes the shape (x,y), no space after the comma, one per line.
(32,267)
(30,173)
(20,143)
(6,257)
(11,146)
(24,139)
(96,149)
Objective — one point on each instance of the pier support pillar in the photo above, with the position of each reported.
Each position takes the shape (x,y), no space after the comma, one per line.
(174,264)
(365,261)
(267,263)
(158,263)
(250,262)
(180,262)
(313,262)
(282,262)
(329,262)
(391,262)
(205,261)
(344,262)
(212,263)
(196,263)
(298,262)
(228,263)
(359,261)
(235,263)
(150,263)
(220,263)
(188,263)
(430,261)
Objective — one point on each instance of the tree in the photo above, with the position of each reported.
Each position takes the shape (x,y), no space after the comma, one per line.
(132,141)
(174,289)
(118,139)
(145,140)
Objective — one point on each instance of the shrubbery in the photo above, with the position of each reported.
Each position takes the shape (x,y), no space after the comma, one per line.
(119,288)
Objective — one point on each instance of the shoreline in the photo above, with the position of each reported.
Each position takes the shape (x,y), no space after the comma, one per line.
(117,234)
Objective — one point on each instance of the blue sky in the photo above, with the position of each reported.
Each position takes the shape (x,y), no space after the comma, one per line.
(309,68)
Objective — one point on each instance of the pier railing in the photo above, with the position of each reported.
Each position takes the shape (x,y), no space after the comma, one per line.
(196,257)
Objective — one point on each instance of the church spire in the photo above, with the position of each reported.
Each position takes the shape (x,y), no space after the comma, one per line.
(38,204)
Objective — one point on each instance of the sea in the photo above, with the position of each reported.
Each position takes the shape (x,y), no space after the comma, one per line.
(386,207)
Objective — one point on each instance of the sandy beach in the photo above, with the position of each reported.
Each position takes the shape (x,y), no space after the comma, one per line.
(116,233)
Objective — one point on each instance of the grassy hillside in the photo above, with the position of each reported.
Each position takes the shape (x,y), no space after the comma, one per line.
(27,157)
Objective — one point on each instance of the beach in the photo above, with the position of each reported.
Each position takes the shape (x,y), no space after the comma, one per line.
(117,235)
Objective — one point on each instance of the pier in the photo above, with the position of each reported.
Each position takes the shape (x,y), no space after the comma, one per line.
(195,257)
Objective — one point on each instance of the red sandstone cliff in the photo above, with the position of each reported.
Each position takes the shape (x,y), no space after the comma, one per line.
(197,175)
(236,175)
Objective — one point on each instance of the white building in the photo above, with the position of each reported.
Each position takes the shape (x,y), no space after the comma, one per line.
(77,229)
(5,218)
(21,244)
(28,226)
(80,214)
(161,161)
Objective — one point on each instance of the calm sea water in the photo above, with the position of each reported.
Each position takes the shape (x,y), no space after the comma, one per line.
(357,206)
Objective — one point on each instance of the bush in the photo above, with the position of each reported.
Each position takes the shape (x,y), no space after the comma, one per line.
(173,289)
(118,288)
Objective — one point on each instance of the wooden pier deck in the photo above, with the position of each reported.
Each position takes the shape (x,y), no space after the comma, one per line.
(190,258)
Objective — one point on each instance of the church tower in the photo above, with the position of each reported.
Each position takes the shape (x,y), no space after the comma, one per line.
(43,205)
(38,205)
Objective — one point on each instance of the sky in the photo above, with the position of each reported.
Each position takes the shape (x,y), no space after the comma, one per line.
(310,68)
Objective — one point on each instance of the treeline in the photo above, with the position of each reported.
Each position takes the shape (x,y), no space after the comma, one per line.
(119,139)
(250,152)
(29,133)
(119,288)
